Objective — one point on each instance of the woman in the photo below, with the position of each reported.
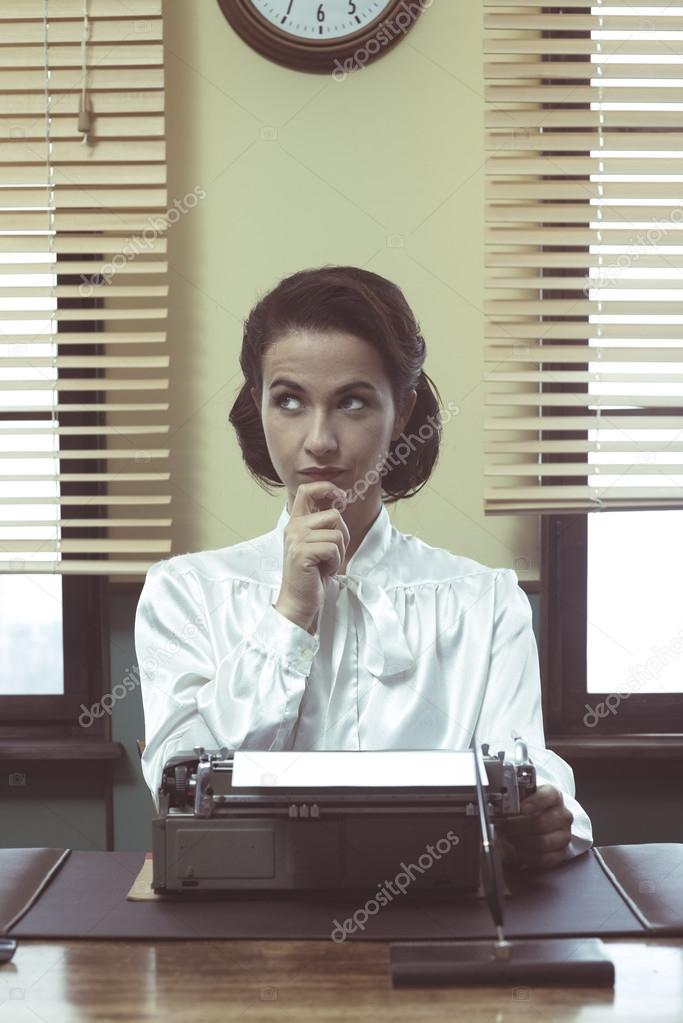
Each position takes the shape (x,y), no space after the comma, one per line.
(335,630)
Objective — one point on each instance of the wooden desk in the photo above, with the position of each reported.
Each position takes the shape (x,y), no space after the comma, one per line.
(203,982)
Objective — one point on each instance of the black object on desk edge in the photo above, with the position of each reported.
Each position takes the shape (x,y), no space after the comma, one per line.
(557,962)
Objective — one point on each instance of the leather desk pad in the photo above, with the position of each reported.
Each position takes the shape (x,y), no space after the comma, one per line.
(87,898)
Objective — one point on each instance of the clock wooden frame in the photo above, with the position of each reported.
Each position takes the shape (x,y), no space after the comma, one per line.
(322,56)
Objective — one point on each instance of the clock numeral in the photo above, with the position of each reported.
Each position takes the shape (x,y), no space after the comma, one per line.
(352,7)
(321,13)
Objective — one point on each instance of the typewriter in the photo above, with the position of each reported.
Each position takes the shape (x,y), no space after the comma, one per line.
(329,820)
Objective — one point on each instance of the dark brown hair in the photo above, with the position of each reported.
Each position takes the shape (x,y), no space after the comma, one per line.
(358,302)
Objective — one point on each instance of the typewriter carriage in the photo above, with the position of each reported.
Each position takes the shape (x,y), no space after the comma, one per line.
(211,836)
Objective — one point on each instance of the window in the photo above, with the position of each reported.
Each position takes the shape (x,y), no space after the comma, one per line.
(82,329)
(31,655)
(587,348)
(53,655)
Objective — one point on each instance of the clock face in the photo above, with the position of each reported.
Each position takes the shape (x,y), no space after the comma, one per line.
(322,36)
(321,19)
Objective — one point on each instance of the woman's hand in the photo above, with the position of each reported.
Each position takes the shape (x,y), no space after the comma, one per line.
(315,545)
(541,838)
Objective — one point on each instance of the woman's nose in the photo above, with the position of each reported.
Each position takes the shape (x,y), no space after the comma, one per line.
(320,436)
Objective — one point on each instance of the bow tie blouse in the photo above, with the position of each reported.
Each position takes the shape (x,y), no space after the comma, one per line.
(414,648)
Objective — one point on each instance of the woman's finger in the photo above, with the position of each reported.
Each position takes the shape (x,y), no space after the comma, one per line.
(544,798)
(554,841)
(552,820)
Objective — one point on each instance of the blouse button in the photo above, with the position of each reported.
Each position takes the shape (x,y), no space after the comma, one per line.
(308,654)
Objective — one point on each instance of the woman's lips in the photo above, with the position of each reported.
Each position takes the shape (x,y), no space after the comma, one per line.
(327,474)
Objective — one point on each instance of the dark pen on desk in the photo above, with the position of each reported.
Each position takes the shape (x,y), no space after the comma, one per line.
(492,871)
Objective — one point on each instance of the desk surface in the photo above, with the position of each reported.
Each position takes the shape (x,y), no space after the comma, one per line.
(203,982)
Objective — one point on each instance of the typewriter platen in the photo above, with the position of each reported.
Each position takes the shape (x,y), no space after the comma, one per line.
(211,834)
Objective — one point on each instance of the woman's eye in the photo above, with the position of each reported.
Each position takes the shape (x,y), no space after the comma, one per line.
(291,397)
(354,397)
(278,400)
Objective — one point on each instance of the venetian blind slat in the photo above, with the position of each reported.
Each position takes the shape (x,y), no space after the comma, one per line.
(584,256)
(84,477)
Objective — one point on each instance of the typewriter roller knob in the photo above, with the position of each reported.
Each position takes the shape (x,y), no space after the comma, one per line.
(521,750)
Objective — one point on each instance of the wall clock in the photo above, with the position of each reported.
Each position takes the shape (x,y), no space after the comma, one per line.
(323,36)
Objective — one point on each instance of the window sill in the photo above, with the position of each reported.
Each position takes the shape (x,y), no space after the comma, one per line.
(60,749)
(664,746)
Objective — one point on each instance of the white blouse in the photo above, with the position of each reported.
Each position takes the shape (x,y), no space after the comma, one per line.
(414,648)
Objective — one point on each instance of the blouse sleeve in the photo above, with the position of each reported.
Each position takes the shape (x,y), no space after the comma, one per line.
(249,699)
(512,701)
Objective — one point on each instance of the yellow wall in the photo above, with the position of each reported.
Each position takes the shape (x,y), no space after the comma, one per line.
(384,170)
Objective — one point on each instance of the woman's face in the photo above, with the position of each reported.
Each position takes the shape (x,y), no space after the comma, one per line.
(317,423)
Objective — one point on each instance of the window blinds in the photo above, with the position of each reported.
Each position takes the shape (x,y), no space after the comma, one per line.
(84,483)
(584,256)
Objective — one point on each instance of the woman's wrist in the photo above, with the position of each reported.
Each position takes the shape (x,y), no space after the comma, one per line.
(293,616)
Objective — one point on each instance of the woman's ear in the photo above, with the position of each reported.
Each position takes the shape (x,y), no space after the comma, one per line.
(407,413)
